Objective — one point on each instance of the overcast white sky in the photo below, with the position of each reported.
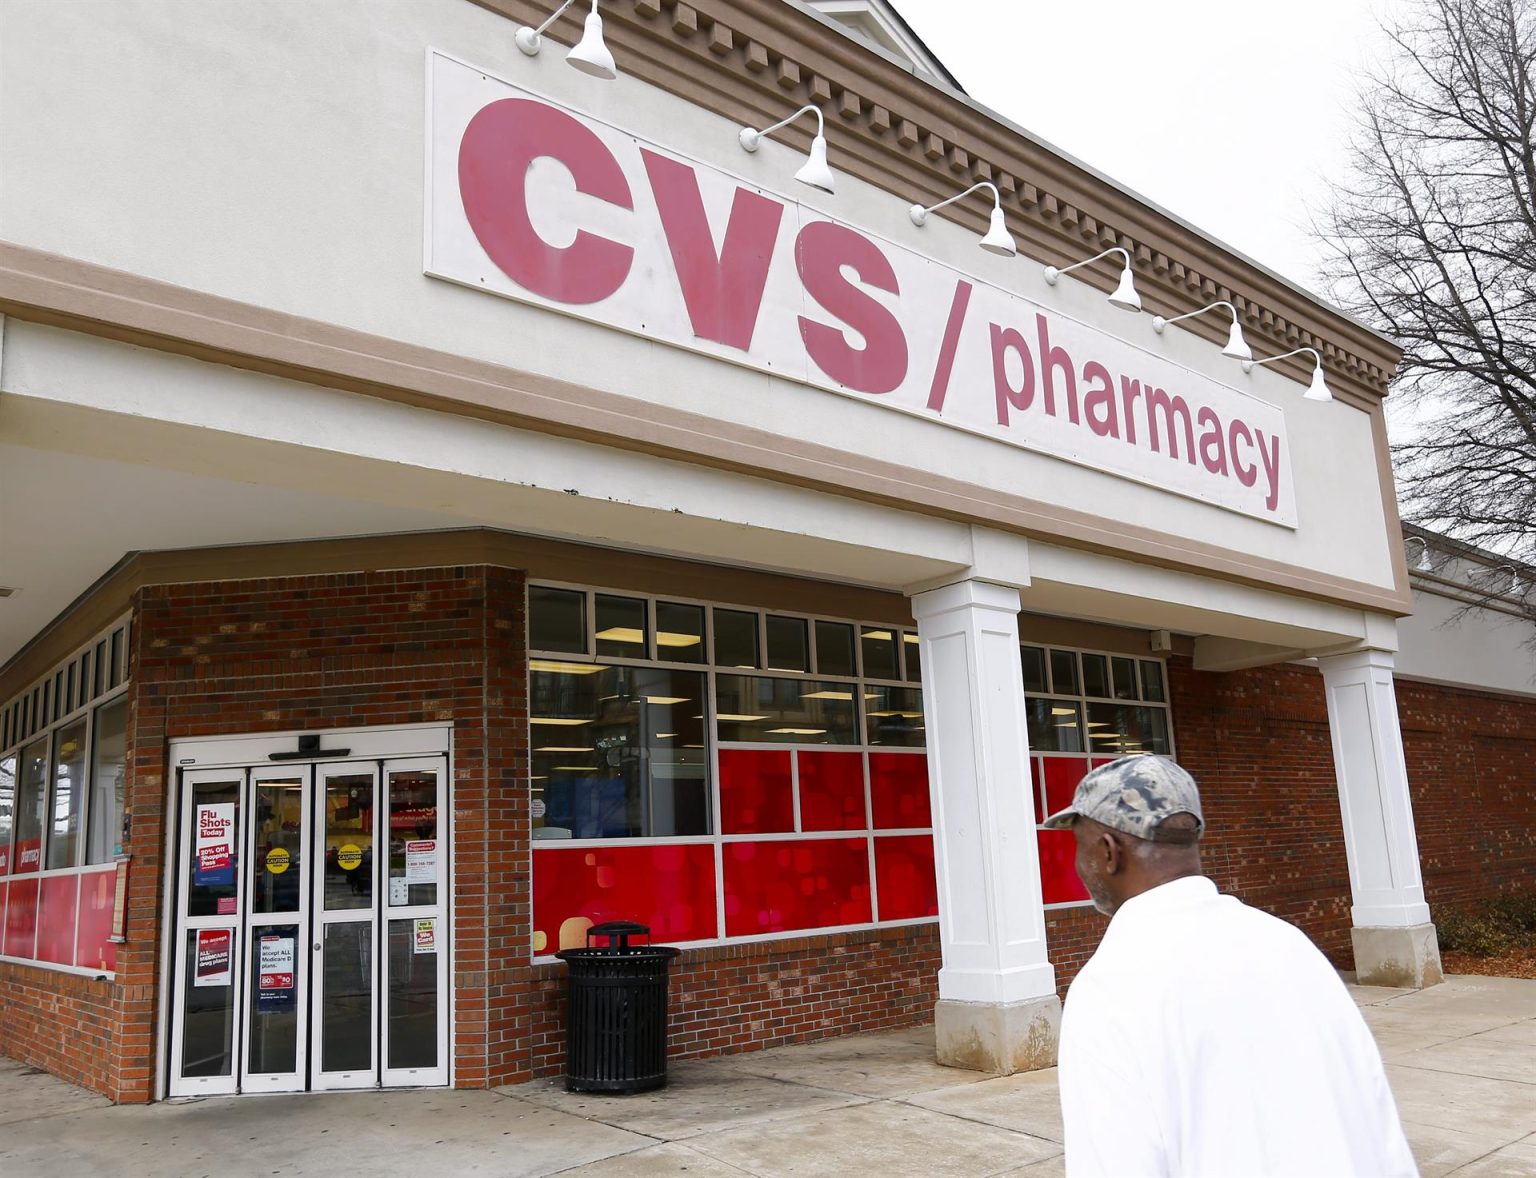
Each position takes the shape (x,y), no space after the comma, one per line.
(1231,115)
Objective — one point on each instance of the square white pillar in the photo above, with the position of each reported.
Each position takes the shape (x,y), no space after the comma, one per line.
(1393,937)
(998,1009)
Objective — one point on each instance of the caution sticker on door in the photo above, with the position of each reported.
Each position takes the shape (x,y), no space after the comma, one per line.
(426,935)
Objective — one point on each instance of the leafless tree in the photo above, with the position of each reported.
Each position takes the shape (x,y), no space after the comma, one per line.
(1434,233)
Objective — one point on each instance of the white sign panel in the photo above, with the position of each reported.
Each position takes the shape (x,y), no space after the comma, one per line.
(421,861)
(536,202)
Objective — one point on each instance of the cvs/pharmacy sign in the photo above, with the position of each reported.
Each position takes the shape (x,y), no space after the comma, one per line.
(534,201)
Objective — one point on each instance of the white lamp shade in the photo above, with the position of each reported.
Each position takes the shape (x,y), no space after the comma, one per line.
(998,240)
(590,55)
(815,171)
(1318,389)
(1125,295)
(1237,347)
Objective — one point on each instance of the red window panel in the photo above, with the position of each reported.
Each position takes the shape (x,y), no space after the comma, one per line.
(669,887)
(832,791)
(1058,875)
(776,886)
(904,876)
(98,892)
(756,791)
(21,919)
(898,786)
(1061,777)
(56,919)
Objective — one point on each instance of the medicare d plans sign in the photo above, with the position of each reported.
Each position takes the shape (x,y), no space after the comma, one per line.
(534,201)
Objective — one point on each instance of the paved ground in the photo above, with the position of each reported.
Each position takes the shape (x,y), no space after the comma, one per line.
(1462,1059)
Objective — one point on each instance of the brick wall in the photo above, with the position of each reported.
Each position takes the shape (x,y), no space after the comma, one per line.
(769,993)
(1472,767)
(63,1023)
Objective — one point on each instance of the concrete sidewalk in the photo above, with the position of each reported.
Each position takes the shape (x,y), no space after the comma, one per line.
(1461,1057)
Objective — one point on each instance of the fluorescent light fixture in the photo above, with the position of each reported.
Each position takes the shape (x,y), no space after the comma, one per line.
(829,695)
(563,748)
(1063,711)
(738,719)
(796,731)
(666,701)
(1237,347)
(664,735)
(576,768)
(878,635)
(1123,296)
(997,239)
(622,634)
(557,721)
(912,638)
(558,668)
(1316,391)
(668,638)
(814,171)
(589,55)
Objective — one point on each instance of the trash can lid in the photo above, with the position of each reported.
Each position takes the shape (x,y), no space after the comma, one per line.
(614,928)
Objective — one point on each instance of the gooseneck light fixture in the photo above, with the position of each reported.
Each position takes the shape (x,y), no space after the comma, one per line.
(1422,565)
(1317,390)
(589,55)
(997,240)
(1237,347)
(1516,581)
(814,171)
(1123,296)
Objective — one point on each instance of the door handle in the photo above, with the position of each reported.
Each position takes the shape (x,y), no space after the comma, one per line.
(317,946)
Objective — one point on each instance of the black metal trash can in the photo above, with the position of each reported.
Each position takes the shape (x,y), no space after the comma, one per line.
(616,1029)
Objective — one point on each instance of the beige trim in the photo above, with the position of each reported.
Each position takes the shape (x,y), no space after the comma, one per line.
(1394,523)
(83,296)
(753,61)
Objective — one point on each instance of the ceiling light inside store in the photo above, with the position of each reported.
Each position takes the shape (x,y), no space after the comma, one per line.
(557,721)
(576,768)
(735,718)
(666,701)
(556,668)
(878,635)
(664,735)
(796,731)
(668,638)
(622,634)
(563,748)
(829,695)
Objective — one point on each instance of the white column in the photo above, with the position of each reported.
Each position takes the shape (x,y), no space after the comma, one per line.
(998,1009)
(1393,937)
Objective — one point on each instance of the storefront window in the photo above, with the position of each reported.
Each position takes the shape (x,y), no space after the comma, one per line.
(31,803)
(68,801)
(618,751)
(708,797)
(785,711)
(7,810)
(108,764)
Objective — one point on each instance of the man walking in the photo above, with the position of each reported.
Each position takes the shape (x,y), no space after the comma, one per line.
(1205,1037)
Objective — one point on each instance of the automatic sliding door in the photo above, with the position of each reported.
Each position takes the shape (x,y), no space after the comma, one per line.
(415,996)
(209,934)
(345,953)
(276,970)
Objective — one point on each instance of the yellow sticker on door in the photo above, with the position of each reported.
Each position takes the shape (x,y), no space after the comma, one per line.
(277,860)
(348,856)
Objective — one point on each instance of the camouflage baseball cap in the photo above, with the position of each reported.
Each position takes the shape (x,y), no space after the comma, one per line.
(1132,795)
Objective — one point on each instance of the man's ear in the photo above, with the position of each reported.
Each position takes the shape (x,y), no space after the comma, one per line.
(1112,852)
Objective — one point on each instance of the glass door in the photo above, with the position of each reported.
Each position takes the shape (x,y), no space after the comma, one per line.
(415,945)
(276,976)
(209,934)
(345,957)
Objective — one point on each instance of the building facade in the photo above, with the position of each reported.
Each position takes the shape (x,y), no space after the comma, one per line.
(450,500)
